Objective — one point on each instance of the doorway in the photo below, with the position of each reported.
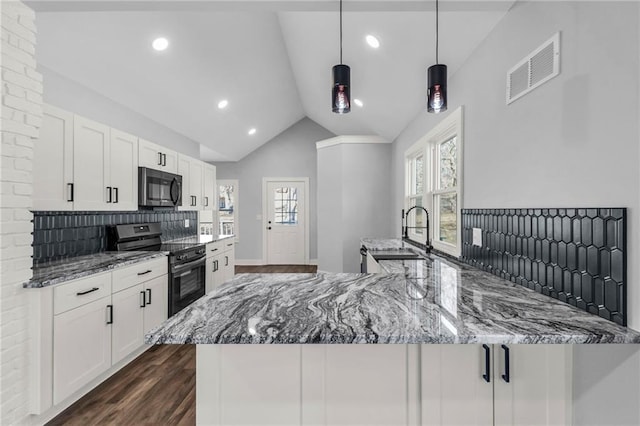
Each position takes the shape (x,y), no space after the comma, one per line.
(286,221)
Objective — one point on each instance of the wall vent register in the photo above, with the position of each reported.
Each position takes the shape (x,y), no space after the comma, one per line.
(537,68)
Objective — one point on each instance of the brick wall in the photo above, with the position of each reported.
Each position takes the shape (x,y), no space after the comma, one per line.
(21,117)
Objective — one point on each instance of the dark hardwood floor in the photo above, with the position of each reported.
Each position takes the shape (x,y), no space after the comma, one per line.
(157,388)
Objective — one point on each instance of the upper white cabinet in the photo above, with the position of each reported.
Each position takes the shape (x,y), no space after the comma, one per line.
(123,170)
(80,164)
(209,188)
(53,187)
(198,184)
(91,165)
(157,157)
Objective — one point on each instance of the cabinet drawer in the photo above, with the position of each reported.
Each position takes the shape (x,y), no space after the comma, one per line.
(227,244)
(140,272)
(80,292)
(214,248)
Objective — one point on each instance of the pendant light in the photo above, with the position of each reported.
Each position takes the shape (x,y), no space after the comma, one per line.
(437,80)
(341,92)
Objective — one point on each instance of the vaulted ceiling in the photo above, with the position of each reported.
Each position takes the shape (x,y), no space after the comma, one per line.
(270,59)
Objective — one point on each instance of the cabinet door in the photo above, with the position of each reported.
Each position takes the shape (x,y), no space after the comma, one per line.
(53,161)
(90,165)
(210,200)
(124,170)
(156,303)
(184,169)
(195,182)
(539,387)
(127,322)
(229,262)
(81,347)
(454,391)
(170,160)
(218,271)
(149,155)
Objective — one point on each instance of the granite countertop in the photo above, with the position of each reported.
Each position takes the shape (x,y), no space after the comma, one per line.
(82,266)
(434,300)
(201,239)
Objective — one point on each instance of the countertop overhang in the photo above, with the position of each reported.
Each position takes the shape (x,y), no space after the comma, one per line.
(437,301)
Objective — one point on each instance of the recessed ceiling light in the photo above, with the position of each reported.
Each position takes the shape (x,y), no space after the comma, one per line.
(372,41)
(252,131)
(160,44)
(358,102)
(223,104)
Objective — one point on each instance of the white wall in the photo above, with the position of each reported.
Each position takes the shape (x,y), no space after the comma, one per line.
(290,154)
(354,181)
(20,123)
(571,142)
(68,94)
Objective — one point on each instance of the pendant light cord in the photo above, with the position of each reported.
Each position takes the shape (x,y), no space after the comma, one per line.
(437,31)
(340,32)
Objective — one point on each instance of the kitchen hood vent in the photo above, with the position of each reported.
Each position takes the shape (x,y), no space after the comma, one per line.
(537,68)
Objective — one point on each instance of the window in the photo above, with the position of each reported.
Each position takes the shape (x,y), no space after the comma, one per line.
(228,207)
(433,180)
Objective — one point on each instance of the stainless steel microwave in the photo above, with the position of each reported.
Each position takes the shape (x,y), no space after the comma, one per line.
(157,188)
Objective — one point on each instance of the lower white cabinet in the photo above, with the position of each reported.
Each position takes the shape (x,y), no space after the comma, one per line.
(81,347)
(87,326)
(127,321)
(228,262)
(221,263)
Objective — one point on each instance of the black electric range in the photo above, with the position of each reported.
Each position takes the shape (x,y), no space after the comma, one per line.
(186,259)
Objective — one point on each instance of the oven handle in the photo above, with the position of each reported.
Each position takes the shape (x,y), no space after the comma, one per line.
(194,263)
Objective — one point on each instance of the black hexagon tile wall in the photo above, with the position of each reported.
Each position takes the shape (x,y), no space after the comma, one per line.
(575,255)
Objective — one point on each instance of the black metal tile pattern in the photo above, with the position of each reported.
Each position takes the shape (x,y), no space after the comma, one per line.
(58,235)
(575,255)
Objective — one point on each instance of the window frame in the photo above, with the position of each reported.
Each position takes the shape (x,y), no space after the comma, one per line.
(448,128)
(236,203)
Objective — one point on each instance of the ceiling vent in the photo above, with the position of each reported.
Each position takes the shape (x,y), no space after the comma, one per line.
(538,67)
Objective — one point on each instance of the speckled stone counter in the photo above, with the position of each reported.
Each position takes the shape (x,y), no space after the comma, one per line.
(428,301)
(82,266)
(201,239)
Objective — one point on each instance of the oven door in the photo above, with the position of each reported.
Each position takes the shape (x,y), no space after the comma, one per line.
(158,188)
(186,285)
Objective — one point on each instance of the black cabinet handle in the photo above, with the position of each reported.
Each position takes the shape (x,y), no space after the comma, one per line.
(70,197)
(206,201)
(164,159)
(145,272)
(82,293)
(109,314)
(144,299)
(109,191)
(149,294)
(195,200)
(215,266)
(159,159)
(507,374)
(116,194)
(487,364)
(215,249)
(226,261)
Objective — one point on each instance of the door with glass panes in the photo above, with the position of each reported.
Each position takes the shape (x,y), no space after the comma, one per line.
(285,222)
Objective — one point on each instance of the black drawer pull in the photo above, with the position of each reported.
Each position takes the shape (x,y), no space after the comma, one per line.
(507,373)
(215,249)
(144,273)
(487,364)
(226,261)
(229,245)
(82,293)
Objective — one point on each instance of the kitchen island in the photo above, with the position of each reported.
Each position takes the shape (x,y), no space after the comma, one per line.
(302,369)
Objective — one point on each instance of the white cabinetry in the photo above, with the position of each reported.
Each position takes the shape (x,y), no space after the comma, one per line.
(210,199)
(91,165)
(53,161)
(192,171)
(220,263)
(157,157)
(84,165)
(87,328)
(229,257)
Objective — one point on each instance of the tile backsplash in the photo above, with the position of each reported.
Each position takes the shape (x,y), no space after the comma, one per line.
(575,255)
(58,235)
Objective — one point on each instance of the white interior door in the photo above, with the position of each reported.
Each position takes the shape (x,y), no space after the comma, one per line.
(286,222)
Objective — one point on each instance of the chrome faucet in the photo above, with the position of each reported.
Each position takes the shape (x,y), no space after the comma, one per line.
(405,228)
